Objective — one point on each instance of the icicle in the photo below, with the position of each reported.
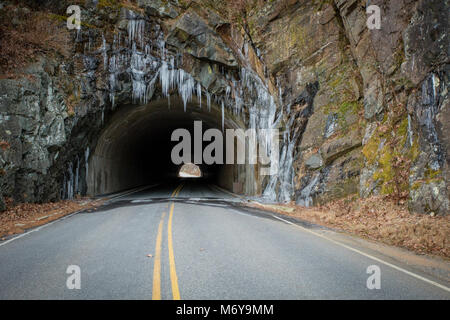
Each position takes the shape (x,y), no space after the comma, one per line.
(139,63)
(113,69)
(199,94)
(70,181)
(77,175)
(237,97)
(112,97)
(164,75)
(186,84)
(305,198)
(280,95)
(410,132)
(86,162)
(105,54)
(136,29)
(114,45)
(131,29)
(161,45)
(79,34)
(263,115)
(63,191)
(208,101)
(223,117)
(246,49)
(433,84)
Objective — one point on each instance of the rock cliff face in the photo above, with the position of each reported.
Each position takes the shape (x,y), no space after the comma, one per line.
(362,112)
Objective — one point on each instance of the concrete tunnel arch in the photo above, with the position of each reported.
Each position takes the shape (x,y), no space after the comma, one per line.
(133,149)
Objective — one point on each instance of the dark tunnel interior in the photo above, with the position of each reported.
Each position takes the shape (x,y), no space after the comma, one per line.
(134,149)
(153,147)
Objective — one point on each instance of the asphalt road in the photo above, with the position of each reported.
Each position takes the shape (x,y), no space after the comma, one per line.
(194,242)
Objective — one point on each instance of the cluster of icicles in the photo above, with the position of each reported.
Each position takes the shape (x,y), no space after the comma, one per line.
(73,177)
(131,54)
(145,70)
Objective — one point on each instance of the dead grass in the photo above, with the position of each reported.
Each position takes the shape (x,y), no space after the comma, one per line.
(379,219)
(25,34)
(18,218)
(131,5)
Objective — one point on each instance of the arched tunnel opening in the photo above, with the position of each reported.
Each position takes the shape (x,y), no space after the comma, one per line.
(134,148)
(190,170)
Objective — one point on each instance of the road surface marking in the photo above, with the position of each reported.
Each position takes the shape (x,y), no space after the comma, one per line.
(39,228)
(177,189)
(156,292)
(217,188)
(174,191)
(126,193)
(173,272)
(368,256)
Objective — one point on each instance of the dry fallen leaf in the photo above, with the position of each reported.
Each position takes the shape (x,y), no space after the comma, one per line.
(380,218)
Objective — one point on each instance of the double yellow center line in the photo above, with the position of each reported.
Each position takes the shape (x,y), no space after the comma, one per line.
(156,293)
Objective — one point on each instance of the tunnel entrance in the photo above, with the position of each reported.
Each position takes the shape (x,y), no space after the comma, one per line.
(190,171)
(134,148)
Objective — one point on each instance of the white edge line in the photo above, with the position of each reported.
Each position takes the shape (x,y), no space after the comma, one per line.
(130,192)
(62,218)
(39,228)
(368,256)
(235,195)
